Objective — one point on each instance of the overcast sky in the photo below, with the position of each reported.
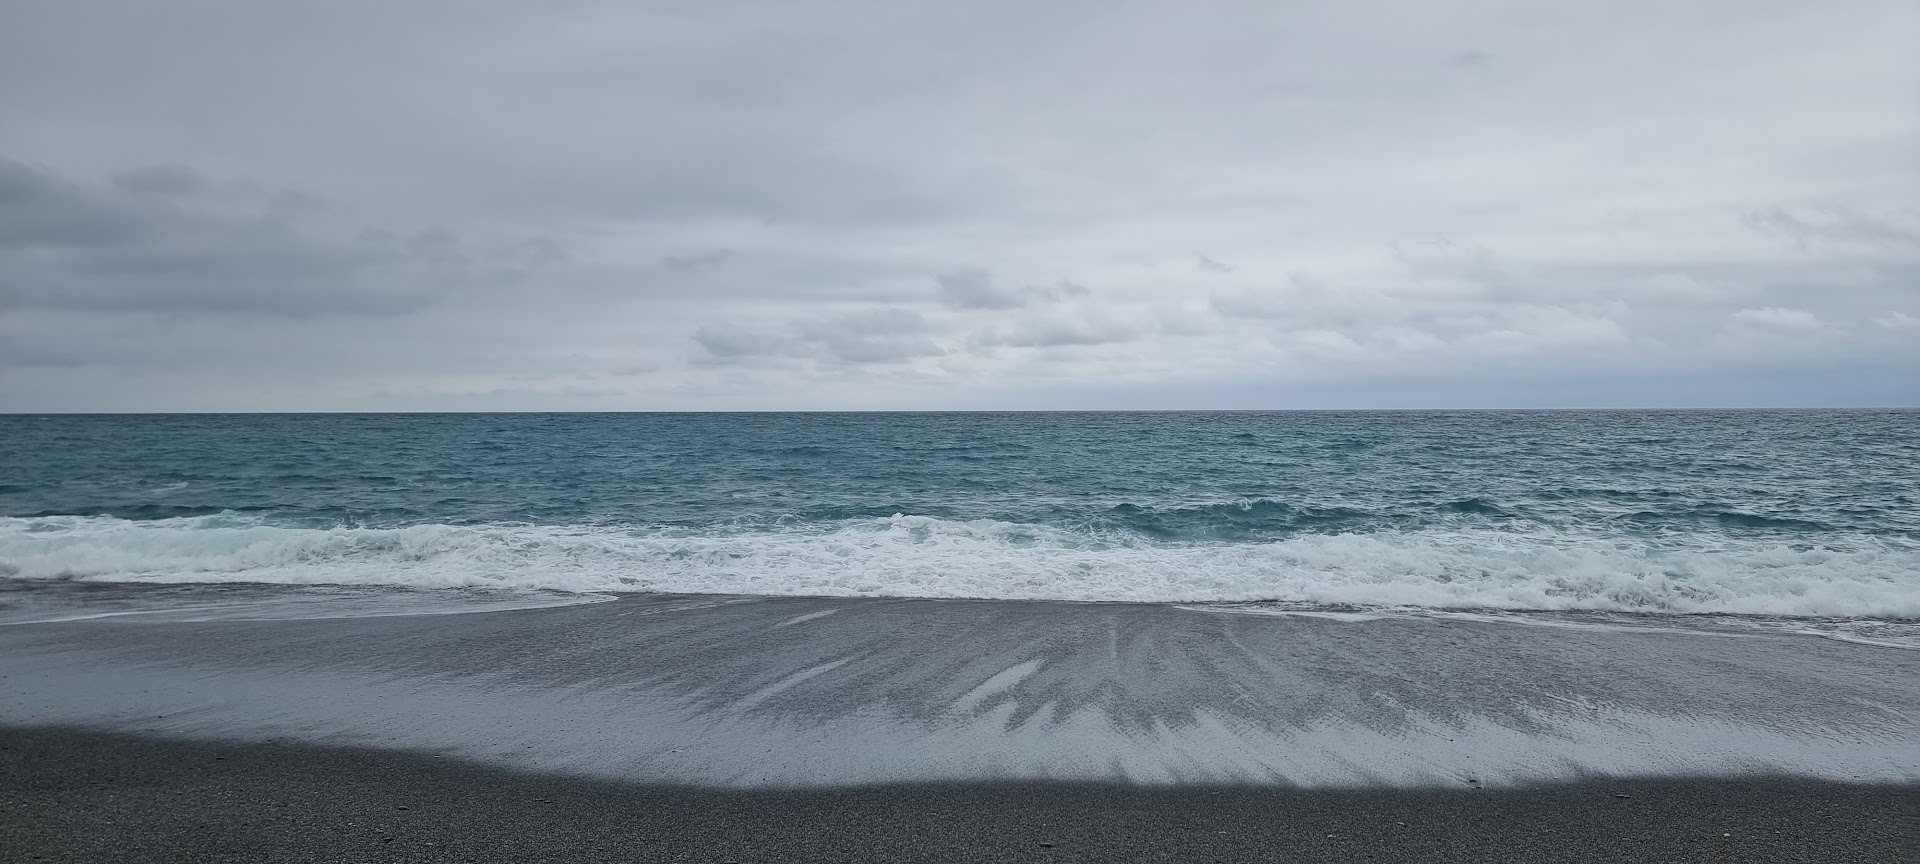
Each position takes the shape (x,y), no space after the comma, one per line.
(982,204)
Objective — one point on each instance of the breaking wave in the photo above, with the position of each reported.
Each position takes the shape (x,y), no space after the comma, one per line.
(1529,567)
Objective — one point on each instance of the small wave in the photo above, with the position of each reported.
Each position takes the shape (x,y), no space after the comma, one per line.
(1478,507)
(1726,518)
(805,452)
(1247,519)
(996,447)
(865,511)
(923,556)
(151,511)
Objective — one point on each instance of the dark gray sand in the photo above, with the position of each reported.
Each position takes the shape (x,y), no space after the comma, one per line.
(745,692)
(87,797)
(710,729)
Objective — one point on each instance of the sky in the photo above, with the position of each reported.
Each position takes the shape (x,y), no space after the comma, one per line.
(227,205)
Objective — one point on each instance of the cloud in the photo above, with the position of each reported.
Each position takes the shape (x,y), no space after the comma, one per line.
(1053,332)
(1469,59)
(973,288)
(1303,297)
(1408,339)
(1212,266)
(1059,291)
(1680,288)
(167,239)
(686,206)
(1770,316)
(726,342)
(693,263)
(1322,342)
(870,336)
(1837,223)
(1534,328)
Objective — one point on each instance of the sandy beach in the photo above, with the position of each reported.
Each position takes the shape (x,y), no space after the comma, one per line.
(740,728)
(86,797)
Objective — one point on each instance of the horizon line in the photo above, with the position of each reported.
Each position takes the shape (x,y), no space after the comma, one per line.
(403,412)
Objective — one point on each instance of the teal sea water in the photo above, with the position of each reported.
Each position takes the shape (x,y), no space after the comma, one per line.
(1813,513)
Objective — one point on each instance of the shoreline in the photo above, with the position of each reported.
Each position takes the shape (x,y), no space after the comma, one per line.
(87,796)
(70,601)
(769,692)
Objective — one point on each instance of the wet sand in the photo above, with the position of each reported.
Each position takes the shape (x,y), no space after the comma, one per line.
(88,797)
(710,728)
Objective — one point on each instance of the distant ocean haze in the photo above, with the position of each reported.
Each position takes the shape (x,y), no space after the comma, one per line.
(1771,513)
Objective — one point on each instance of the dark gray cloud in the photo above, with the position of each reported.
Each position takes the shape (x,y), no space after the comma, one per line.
(973,288)
(1836,223)
(883,335)
(728,342)
(167,239)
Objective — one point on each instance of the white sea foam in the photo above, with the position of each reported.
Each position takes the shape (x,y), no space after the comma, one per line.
(927,557)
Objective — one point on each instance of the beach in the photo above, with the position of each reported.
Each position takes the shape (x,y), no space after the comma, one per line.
(860,431)
(91,797)
(723,727)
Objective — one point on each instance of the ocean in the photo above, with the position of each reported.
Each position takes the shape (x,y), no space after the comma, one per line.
(1466,601)
(1807,518)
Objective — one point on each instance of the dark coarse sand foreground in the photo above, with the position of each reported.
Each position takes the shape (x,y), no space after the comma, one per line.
(75,796)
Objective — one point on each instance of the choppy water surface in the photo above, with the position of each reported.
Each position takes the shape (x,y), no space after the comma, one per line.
(1752,513)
